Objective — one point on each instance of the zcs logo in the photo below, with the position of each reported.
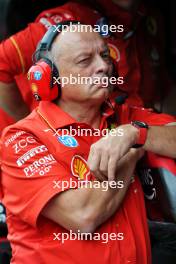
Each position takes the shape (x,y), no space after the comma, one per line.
(23,143)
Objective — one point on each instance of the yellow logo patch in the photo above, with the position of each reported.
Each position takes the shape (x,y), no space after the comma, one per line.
(79,167)
(114,52)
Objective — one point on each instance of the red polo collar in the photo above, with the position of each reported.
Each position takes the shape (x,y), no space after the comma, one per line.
(59,118)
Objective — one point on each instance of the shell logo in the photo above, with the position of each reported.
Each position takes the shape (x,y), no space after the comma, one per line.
(114,52)
(79,167)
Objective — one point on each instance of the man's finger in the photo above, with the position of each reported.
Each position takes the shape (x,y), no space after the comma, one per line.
(104,163)
(94,161)
(99,176)
(91,156)
(112,165)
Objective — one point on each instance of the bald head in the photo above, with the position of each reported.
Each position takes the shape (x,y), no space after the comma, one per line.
(69,44)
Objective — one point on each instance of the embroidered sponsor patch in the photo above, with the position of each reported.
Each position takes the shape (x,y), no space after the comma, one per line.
(37,75)
(13,137)
(68,141)
(31,153)
(114,52)
(23,143)
(79,167)
(40,166)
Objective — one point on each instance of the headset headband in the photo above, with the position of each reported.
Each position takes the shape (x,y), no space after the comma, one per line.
(46,42)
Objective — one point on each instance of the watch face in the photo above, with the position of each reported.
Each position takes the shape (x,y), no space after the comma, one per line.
(140,124)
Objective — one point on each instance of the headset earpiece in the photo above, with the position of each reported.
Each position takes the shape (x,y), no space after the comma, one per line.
(43,76)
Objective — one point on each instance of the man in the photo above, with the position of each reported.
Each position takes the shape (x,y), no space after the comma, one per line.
(37,161)
(138,45)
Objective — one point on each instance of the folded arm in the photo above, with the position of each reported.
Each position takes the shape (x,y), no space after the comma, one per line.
(87,208)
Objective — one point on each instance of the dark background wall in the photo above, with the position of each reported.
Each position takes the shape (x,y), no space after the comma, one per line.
(168,10)
(16,14)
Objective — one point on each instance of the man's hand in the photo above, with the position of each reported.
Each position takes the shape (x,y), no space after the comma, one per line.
(128,161)
(105,153)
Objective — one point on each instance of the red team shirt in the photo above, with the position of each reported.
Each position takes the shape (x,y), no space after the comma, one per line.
(33,157)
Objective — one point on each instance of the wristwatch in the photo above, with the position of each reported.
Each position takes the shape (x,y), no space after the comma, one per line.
(143,128)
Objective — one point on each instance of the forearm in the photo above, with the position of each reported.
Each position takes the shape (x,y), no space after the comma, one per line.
(87,208)
(161,140)
(11,101)
(103,204)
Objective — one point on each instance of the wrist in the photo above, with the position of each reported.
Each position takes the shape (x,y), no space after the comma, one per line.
(133,134)
(142,128)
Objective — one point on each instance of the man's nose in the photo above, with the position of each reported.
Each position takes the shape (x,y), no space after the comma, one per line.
(102,66)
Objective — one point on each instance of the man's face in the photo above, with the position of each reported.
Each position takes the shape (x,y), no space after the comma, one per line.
(84,55)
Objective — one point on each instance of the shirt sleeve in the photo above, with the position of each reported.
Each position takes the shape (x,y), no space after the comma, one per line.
(30,177)
(16,51)
(150,117)
(160,119)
